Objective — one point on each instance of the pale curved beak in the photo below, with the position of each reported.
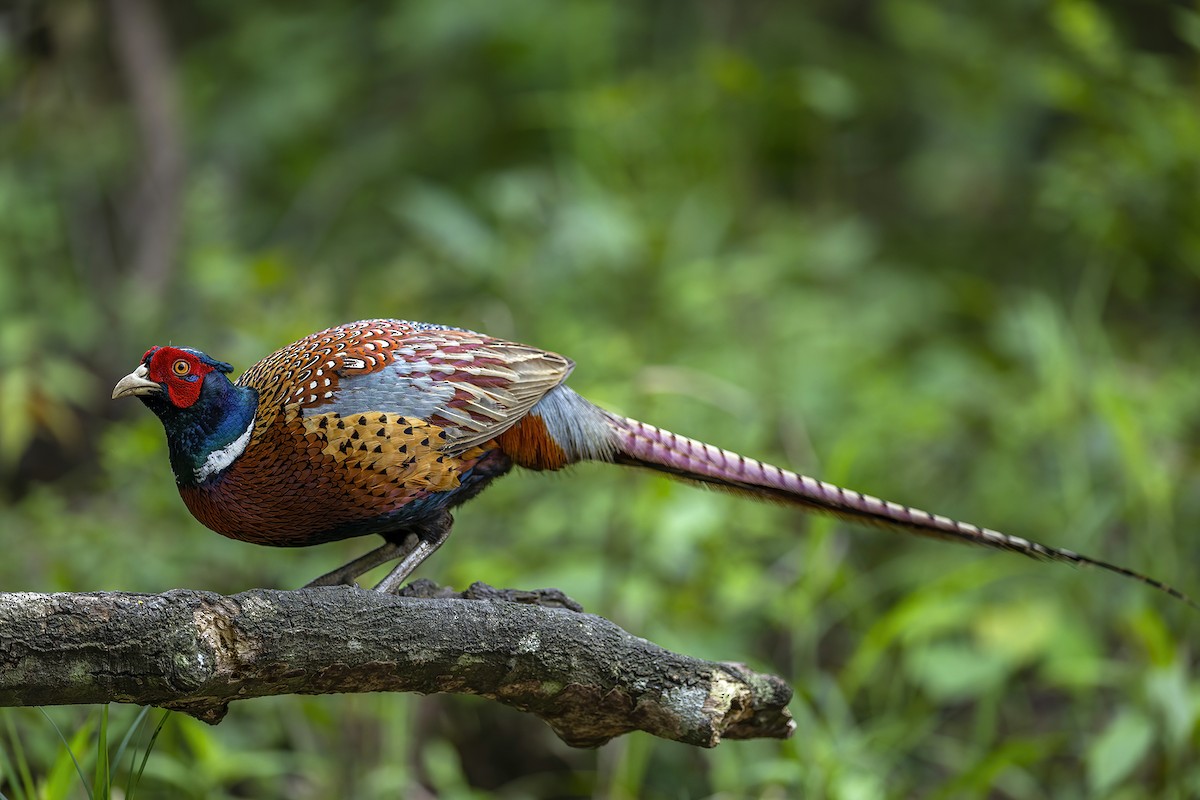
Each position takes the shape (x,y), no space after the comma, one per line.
(136,382)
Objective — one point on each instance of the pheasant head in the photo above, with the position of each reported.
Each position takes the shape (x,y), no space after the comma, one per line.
(207,418)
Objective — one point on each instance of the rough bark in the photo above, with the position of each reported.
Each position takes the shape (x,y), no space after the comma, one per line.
(196,652)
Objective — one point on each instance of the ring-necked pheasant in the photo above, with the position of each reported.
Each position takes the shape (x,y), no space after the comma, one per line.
(383,426)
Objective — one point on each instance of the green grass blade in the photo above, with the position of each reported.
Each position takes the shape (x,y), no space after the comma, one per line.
(136,778)
(25,786)
(134,728)
(7,769)
(71,752)
(101,780)
(60,780)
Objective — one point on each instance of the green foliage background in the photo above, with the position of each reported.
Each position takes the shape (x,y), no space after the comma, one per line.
(944,252)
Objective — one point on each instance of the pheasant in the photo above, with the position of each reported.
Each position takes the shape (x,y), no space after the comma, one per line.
(383,426)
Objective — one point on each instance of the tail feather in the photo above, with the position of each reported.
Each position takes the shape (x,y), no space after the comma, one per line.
(643,445)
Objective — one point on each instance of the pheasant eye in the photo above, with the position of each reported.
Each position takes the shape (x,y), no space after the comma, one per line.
(181,367)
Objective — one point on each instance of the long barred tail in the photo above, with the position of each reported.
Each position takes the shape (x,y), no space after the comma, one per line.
(643,445)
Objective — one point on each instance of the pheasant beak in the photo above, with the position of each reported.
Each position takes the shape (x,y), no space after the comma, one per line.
(136,383)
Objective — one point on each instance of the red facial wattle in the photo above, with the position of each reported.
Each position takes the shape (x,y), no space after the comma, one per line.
(182,373)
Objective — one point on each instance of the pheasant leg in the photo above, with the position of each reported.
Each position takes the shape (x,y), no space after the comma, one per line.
(429,538)
(345,574)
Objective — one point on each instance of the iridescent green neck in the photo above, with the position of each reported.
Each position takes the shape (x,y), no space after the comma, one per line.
(205,438)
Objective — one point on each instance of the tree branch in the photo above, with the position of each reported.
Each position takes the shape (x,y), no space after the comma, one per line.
(197,651)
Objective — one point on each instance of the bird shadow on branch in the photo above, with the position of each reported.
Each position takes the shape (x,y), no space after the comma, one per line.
(536,651)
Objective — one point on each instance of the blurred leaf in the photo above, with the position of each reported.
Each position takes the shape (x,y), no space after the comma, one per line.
(1017,632)
(1152,634)
(448,224)
(1176,700)
(1083,25)
(1118,750)
(953,672)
